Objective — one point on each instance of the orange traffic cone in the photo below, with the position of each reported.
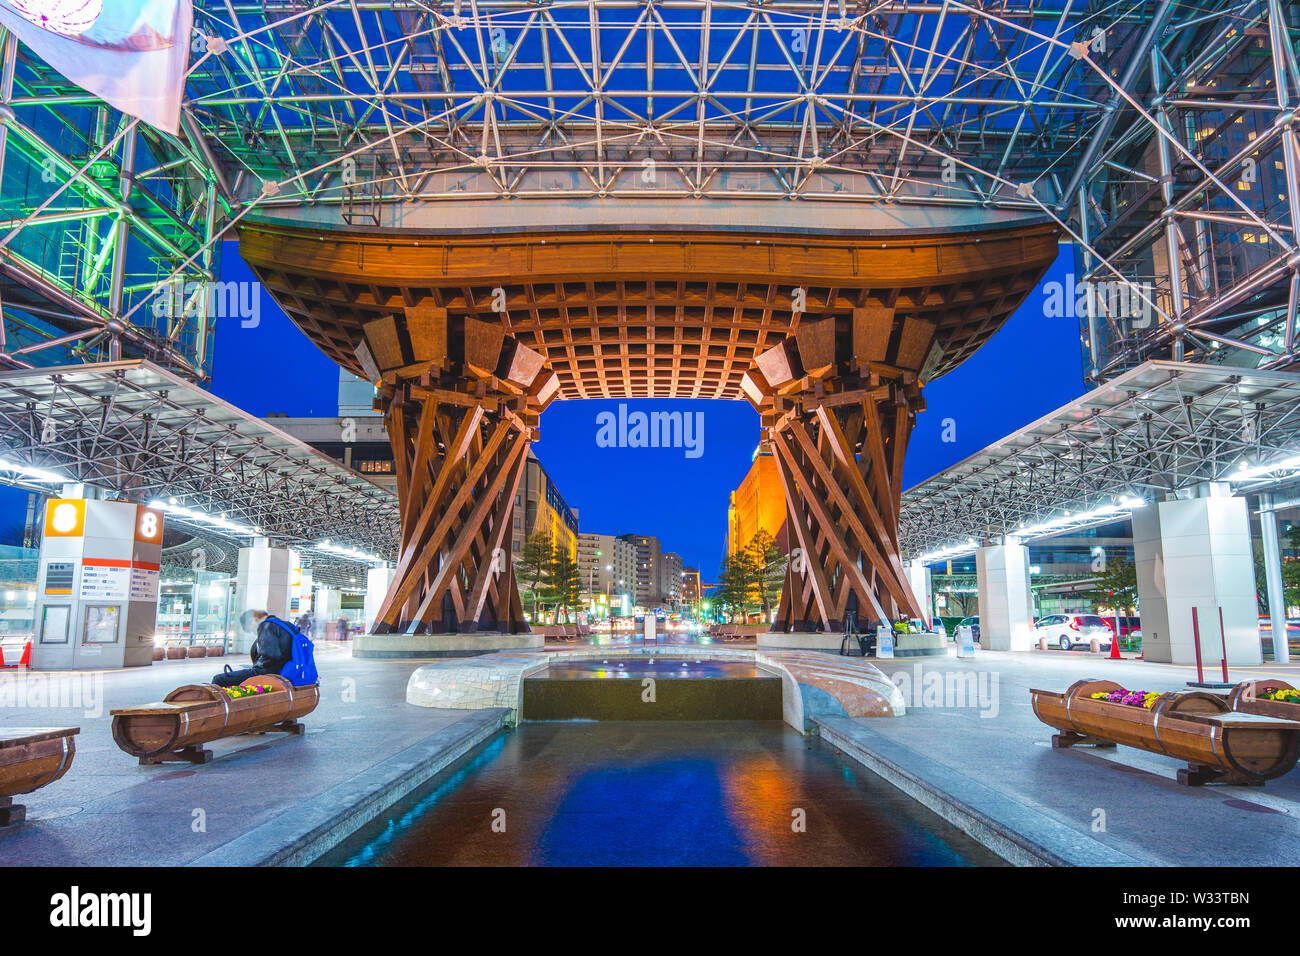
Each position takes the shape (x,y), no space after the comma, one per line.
(26,659)
(1114,649)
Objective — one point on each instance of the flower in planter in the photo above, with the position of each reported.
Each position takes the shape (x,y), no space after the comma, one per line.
(1284,694)
(1130,698)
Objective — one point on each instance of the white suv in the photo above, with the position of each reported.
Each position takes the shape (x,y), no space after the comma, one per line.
(1072,630)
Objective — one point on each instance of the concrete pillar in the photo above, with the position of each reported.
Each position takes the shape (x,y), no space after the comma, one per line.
(97,584)
(922,584)
(327,603)
(1002,571)
(263,583)
(377,581)
(1195,552)
(1273,578)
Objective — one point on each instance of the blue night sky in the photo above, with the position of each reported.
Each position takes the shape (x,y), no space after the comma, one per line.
(1029,368)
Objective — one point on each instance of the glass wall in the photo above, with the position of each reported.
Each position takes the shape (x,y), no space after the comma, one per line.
(194,607)
(17,599)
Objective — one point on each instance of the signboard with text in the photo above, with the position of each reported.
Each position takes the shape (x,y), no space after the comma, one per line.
(104,579)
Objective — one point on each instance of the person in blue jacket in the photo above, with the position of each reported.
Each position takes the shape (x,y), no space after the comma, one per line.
(269,653)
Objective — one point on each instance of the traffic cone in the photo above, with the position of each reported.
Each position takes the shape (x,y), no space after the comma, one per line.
(1114,648)
(26,659)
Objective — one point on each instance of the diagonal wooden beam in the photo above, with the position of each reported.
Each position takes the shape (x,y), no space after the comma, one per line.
(874,447)
(848,514)
(500,525)
(839,549)
(796,517)
(482,503)
(417,556)
(419,475)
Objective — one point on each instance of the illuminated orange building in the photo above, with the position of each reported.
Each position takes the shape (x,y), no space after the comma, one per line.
(758,504)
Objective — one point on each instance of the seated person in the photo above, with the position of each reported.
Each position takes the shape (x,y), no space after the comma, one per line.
(269,653)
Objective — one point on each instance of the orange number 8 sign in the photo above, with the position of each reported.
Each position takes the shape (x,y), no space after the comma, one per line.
(148,525)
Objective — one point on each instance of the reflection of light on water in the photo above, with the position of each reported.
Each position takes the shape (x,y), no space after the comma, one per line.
(395,828)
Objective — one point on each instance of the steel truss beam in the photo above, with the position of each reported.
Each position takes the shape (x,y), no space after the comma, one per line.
(145,432)
(1152,432)
(1120,118)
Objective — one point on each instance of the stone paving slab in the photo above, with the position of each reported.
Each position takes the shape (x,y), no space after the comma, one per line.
(999,762)
(300,836)
(1020,833)
(109,811)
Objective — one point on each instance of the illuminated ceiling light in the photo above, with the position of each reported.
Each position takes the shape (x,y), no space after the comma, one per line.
(36,474)
(352,554)
(65,17)
(190,515)
(1246,472)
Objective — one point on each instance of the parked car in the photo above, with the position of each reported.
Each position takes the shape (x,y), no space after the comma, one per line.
(1127,625)
(1072,630)
(974,623)
(937,627)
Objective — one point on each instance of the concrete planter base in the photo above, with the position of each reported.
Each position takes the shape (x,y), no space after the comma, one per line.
(907,645)
(800,640)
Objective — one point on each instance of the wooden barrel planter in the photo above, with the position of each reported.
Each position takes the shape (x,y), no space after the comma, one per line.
(1244,699)
(197,650)
(1202,729)
(216,650)
(159,653)
(175,729)
(176,653)
(31,758)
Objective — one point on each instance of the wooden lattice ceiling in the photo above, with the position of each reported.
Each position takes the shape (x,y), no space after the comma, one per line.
(654,315)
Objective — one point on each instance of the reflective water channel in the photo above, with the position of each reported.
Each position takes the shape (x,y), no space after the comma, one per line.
(658,793)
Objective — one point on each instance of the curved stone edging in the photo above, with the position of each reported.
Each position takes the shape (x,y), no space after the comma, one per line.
(812,684)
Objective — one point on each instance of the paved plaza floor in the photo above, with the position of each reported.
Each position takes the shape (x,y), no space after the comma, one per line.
(1113,805)
(269,798)
(108,811)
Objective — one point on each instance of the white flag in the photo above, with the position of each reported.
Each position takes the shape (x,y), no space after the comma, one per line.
(133,54)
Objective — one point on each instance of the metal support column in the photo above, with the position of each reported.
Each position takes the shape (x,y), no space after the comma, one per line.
(1273,578)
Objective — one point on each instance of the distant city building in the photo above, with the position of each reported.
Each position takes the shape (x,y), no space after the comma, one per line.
(606,565)
(691,588)
(757,504)
(670,577)
(649,575)
(356,437)
(539,507)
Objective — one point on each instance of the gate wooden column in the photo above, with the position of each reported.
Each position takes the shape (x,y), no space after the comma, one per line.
(838,417)
(461,401)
